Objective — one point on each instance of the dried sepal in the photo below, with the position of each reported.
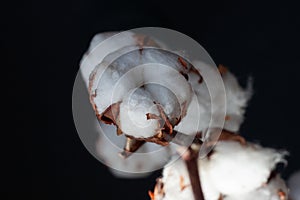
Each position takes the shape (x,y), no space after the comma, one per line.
(152,116)
(111,114)
(222,69)
(144,41)
(164,122)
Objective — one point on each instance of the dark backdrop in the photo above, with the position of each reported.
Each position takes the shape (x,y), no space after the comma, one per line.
(43,43)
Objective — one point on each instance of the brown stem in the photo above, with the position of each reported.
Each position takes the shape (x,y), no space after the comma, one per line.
(131,146)
(191,161)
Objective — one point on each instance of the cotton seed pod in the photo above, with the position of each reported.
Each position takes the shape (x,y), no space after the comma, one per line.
(232,170)
(161,95)
(105,145)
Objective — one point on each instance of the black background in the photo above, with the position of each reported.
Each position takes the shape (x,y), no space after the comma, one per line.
(42,44)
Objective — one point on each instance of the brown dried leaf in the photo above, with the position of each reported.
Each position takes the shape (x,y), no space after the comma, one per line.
(181,183)
(182,62)
(222,69)
(111,114)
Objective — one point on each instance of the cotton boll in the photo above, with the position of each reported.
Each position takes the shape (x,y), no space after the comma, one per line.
(276,189)
(233,171)
(140,164)
(236,169)
(133,115)
(294,185)
(127,69)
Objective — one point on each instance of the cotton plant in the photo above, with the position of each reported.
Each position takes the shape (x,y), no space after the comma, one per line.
(147,99)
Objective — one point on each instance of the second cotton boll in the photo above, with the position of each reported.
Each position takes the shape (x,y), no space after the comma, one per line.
(232,171)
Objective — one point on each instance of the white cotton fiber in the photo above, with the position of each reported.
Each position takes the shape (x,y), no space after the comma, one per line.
(276,189)
(133,114)
(236,101)
(235,168)
(94,55)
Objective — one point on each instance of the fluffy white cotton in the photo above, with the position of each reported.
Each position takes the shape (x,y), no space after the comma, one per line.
(294,185)
(92,58)
(275,190)
(236,169)
(196,119)
(128,69)
(236,101)
(157,71)
(133,114)
(232,170)
(139,164)
(166,98)
(176,181)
